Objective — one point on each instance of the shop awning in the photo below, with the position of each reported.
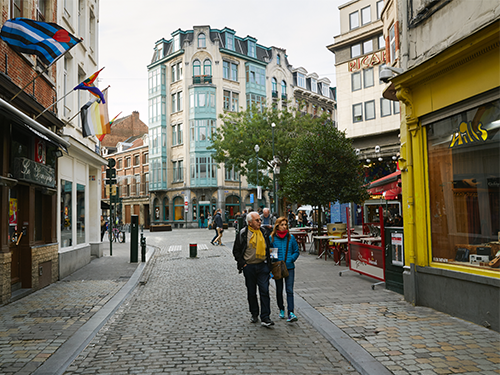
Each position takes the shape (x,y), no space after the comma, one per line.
(387,184)
(104,205)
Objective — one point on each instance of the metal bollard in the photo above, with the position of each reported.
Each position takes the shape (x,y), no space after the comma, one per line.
(193,250)
(143,248)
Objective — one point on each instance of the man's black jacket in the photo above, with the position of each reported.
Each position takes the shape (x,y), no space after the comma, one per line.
(240,245)
(218,220)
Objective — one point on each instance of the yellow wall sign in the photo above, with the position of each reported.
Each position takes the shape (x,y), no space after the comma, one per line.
(466,134)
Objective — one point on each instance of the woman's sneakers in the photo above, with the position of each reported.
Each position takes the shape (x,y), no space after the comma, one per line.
(291,317)
(282,314)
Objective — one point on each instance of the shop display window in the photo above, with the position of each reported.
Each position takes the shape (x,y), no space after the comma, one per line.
(80,208)
(464,186)
(66,212)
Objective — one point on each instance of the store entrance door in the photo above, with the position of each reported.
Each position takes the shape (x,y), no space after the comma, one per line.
(18,237)
(204,210)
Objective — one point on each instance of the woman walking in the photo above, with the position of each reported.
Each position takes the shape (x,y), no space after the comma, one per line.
(282,239)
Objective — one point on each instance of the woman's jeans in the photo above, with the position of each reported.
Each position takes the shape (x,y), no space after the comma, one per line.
(289,291)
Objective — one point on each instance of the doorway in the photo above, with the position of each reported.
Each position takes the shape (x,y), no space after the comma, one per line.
(204,210)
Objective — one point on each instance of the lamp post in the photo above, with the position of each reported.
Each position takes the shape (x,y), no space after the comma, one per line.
(257,148)
(273,125)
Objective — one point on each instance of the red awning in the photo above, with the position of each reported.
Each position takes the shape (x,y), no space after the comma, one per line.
(388,184)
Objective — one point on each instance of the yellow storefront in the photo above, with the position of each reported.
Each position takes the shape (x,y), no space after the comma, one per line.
(450,168)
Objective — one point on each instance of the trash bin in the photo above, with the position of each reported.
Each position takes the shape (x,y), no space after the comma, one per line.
(193,250)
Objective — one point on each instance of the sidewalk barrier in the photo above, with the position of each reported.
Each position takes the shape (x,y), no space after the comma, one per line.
(193,250)
(143,248)
(134,239)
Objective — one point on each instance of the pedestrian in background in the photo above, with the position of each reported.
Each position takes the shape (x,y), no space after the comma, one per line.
(251,252)
(218,228)
(103,227)
(291,219)
(209,221)
(267,221)
(286,244)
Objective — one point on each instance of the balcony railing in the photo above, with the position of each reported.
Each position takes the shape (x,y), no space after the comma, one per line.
(283,97)
(202,79)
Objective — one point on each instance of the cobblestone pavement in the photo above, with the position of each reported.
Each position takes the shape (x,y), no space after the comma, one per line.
(190,316)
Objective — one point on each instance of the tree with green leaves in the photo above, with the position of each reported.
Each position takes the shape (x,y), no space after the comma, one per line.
(324,168)
(234,142)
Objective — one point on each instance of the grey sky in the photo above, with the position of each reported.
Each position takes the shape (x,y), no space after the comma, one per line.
(128,30)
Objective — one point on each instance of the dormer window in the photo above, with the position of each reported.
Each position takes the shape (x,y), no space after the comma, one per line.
(251,49)
(176,43)
(314,85)
(278,59)
(230,41)
(301,80)
(201,40)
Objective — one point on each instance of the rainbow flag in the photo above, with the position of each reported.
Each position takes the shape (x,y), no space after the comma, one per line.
(88,85)
(107,127)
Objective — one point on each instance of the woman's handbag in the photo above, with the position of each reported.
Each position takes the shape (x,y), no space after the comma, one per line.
(278,269)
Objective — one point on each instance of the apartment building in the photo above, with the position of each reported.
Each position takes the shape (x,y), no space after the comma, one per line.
(194,77)
(369,119)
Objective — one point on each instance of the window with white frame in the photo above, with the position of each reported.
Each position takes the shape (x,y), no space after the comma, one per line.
(137,160)
(356,50)
(380,6)
(177,72)
(385,107)
(127,162)
(176,46)
(392,43)
(207,67)
(231,100)
(366,16)
(314,85)
(177,102)
(176,134)
(16,9)
(202,42)
(278,59)
(368,77)
(325,89)
(230,173)
(92,32)
(353,20)
(225,69)
(357,112)
(230,71)
(301,80)
(234,72)
(367,46)
(274,86)
(178,170)
(381,42)
(283,89)
(196,68)
(356,81)
(155,109)
(370,110)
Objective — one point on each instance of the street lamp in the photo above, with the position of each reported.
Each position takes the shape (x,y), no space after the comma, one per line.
(257,148)
(273,125)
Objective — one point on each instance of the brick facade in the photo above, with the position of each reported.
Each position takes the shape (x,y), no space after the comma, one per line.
(40,256)
(123,129)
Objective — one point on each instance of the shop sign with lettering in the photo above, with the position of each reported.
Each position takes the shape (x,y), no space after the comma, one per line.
(31,171)
(367,61)
(466,134)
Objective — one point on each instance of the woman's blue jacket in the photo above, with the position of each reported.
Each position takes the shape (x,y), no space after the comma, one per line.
(293,250)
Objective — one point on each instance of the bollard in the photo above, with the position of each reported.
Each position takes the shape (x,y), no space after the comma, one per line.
(193,250)
(143,248)
(134,239)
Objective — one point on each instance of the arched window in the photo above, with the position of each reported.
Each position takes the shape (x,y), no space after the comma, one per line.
(166,210)
(201,40)
(283,88)
(196,68)
(274,85)
(207,67)
(278,59)
(178,208)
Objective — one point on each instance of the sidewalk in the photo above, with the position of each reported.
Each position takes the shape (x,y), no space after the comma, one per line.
(376,330)
(35,327)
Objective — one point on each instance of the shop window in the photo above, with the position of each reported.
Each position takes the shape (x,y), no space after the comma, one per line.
(66,212)
(166,210)
(80,213)
(464,185)
(179,208)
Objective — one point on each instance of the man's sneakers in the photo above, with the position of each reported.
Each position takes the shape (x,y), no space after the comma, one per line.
(254,319)
(267,323)
(212,242)
(282,314)
(291,317)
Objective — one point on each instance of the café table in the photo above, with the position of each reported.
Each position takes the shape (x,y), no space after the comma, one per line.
(323,244)
(340,248)
(371,240)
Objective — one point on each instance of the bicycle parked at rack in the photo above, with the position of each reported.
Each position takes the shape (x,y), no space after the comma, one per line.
(117,235)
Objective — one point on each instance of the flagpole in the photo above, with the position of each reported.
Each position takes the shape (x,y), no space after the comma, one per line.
(43,71)
(53,104)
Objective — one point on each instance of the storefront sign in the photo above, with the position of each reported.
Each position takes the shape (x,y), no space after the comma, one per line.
(367,260)
(40,151)
(29,170)
(466,134)
(367,61)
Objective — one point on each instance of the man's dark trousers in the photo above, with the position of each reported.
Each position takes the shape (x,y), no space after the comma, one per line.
(258,275)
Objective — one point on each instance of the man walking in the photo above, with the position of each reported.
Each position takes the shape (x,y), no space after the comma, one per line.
(218,228)
(251,252)
(267,221)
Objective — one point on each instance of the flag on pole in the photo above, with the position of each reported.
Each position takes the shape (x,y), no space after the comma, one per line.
(88,84)
(107,128)
(91,119)
(103,109)
(46,40)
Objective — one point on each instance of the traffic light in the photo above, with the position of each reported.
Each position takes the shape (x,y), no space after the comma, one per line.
(111,172)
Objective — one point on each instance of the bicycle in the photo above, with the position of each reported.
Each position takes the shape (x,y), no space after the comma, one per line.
(118,235)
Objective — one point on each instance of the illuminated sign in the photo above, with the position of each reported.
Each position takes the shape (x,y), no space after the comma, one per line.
(467,134)
(367,61)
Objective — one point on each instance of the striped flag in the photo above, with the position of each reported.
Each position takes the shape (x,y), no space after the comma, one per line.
(46,40)
(91,119)
(88,85)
